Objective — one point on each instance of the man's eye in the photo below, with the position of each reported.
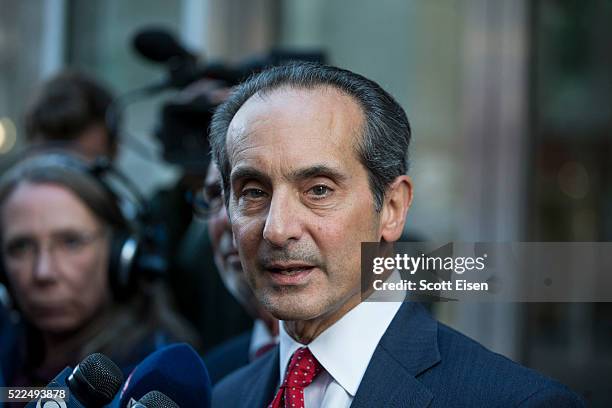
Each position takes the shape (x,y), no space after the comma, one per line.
(320,191)
(253,193)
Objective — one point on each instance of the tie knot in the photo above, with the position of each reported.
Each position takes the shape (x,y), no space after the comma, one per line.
(302,369)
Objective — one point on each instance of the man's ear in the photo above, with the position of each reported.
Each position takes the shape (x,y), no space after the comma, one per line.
(395,207)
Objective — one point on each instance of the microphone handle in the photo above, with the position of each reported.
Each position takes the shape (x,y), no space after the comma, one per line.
(58,382)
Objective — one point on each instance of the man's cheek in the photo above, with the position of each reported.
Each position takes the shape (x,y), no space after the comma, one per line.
(243,226)
(239,233)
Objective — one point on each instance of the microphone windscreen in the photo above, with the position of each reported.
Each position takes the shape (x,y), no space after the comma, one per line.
(156,399)
(96,380)
(177,371)
(93,383)
(158,45)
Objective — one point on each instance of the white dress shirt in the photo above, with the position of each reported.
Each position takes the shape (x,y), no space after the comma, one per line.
(344,350)
(260,336)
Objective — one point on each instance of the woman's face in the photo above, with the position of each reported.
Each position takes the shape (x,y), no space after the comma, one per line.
(55,252)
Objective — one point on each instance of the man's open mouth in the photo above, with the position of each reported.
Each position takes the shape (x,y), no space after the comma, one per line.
(289,274)
(291,271)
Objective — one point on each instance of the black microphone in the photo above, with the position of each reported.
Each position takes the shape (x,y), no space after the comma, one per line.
(159,45)
(154,399)
(93,384)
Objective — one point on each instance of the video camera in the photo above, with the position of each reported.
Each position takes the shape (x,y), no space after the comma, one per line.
(184,121)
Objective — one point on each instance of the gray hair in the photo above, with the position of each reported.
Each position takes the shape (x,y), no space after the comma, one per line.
(383,147)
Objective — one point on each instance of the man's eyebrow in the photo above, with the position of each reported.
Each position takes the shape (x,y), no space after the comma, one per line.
(319,170)
(246,172)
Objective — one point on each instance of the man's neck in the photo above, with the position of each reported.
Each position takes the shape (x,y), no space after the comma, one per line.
(305,331)
(270,321)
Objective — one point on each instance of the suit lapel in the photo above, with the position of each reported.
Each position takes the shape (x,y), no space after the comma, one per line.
(261,388)
(408,347)
(386,384)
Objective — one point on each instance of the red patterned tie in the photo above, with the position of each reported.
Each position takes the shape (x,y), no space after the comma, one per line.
(302,370)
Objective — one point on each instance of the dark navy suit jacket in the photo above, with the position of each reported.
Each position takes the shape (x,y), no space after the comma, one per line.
(417,363)
(228,356)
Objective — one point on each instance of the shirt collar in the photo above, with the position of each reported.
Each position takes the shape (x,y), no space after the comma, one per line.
(346,347)
(260,336)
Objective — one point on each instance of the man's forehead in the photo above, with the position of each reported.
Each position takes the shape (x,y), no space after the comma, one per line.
(301,115)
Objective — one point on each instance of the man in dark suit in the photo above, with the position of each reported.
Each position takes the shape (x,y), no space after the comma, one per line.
(313,161)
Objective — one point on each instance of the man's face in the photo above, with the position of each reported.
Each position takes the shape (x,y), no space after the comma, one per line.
(300,202)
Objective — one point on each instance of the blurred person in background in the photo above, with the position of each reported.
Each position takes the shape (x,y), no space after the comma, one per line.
(60,226)
(70,109)
(240,350)
(198,288)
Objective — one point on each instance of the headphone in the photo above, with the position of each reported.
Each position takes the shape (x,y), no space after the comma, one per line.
(133,251)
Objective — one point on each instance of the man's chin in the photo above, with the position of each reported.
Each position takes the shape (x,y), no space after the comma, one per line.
(293,307)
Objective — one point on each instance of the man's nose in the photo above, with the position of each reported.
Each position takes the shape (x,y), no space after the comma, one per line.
(283,222)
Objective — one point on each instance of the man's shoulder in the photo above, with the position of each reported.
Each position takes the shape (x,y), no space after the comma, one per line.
(451,369)
(230,387)
(230,391)
(467,357)
(228,356)
(476,374)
